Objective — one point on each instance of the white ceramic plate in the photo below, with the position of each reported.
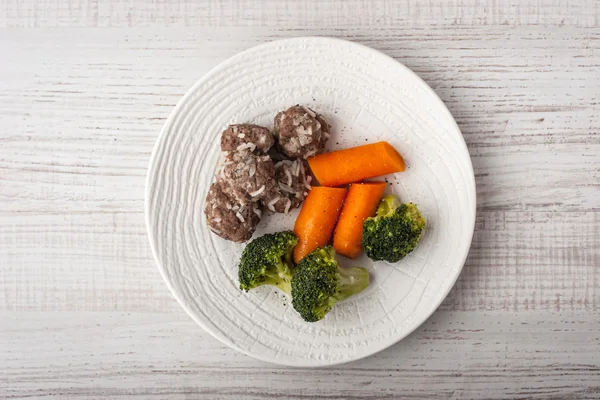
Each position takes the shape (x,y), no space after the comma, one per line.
(366,96)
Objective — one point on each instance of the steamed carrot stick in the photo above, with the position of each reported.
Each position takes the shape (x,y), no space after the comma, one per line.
(355,164)
(317,219)
(361,203)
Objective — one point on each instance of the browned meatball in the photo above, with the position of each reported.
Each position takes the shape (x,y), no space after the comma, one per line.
(301,132)
(228,219)
(292,187)
(246,176)
(246,137)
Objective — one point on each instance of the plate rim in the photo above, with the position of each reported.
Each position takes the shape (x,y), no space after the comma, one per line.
(164,131)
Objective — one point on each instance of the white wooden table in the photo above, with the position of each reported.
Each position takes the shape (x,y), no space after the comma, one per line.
(85,87)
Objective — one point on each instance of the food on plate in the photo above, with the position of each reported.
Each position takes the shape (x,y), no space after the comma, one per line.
(394,232)
(248,177)
(355,164)
(227,217)
(265,169)
(300,132)
(267,260)
(317,218)
(292,186)
(246,137)
(319,283)
(361,203)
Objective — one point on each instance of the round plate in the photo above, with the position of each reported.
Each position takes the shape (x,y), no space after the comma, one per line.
(367,97)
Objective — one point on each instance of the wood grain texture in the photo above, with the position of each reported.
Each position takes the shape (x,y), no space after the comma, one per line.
(283,13)
(166,356)
(83,310)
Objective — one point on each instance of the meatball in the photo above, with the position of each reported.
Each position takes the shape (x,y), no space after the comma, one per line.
(246,176)
(246,136)
(301,132)
(291,189)
(228,219)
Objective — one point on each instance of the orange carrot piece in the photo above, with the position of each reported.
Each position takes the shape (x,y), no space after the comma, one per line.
(355,164)
(361,203)
(317,219)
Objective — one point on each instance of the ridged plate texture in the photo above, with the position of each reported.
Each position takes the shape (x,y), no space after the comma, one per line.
(366,96)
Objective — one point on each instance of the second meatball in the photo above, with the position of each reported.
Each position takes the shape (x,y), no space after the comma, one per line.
(301,132)
(292,187)
(247,176)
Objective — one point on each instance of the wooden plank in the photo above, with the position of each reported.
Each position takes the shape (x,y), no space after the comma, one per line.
(304,13)
(80,262)
(529,355)
(531,261)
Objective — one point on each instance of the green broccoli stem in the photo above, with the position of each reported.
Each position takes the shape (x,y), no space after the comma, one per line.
(388,205)
(282,283)
(281,278)
(288,258)
(352,281)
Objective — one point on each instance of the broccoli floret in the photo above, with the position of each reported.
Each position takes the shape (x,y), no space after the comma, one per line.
(319,283)
(394,232)
(267,260)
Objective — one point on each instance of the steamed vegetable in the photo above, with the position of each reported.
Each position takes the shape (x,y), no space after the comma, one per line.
(317,219)
(361,202)
(394,232)
(355,164)
(267,260)
(319,283)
